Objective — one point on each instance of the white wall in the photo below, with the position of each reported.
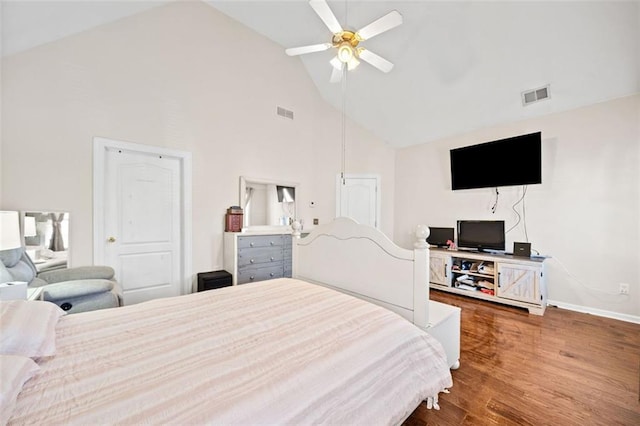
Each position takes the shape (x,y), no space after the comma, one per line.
(182,76)
(585,214)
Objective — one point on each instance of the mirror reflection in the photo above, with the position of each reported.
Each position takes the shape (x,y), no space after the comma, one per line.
(46,239)
(267,203)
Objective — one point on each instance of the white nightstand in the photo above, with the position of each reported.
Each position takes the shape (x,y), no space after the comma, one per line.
(13,290)
(444,325)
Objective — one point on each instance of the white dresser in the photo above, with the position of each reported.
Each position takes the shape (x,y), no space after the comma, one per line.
(253,257)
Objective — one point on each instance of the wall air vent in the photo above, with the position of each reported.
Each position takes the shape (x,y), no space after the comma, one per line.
(535,95)
(285,113)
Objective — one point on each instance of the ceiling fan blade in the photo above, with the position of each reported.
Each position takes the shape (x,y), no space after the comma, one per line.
(336,75)
(324,12)
(293,51)
(375,60)
(380,25)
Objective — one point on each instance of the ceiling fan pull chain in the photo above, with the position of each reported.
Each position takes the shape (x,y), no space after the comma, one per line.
(344,122)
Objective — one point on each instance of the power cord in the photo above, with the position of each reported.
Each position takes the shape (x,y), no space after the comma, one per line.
(495,205)
(524,213)
(576,279)
(520,218)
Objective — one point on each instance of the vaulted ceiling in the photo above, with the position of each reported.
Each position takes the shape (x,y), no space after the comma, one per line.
(459,66)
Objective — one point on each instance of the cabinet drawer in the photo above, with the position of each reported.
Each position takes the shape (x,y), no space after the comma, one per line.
(248,275)
(260,241)
(260,255)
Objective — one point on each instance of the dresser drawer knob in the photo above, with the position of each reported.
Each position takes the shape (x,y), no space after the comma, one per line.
(251,261)
(251,244)
(271,274)
(272,259)
(271,242)
(252,277)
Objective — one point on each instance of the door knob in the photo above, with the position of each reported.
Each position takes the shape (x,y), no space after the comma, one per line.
(111,239)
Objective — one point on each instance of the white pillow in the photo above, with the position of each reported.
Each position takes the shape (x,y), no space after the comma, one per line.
(15,371)
(28,328)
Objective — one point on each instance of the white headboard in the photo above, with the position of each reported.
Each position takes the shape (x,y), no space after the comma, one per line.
(362,261)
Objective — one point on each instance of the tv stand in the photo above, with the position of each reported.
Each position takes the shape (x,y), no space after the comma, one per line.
(501,278)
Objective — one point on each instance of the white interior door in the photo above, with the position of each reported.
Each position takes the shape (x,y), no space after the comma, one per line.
(143,223)
(358,199)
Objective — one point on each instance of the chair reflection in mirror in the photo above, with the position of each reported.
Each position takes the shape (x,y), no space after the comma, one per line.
(46,239)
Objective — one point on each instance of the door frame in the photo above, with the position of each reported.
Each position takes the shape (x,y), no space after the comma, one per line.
(359,176)
(100,146)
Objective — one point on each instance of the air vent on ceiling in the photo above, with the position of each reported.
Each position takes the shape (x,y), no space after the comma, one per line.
(285,113)
(535,95)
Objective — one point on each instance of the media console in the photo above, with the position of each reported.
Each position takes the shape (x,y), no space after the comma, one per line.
(502,278)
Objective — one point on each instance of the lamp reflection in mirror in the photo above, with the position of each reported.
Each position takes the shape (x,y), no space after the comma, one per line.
(9,230)
(30,226)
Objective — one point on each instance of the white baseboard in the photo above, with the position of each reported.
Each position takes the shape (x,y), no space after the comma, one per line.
(593,311)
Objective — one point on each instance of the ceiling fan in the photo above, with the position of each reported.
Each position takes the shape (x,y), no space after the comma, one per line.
(347,42)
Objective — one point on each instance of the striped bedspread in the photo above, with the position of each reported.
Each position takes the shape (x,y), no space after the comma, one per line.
(275,352)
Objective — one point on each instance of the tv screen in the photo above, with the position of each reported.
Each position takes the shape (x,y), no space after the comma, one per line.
(505,162)
(481,234)
(286,194)
(439,236)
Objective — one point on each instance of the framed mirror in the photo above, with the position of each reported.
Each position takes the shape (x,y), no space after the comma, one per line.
(267,204)
(46,239)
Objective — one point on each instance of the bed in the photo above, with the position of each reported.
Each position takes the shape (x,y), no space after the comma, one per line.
(361,261)
(283,351)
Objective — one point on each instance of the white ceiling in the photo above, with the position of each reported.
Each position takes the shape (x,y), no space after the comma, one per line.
(459,65)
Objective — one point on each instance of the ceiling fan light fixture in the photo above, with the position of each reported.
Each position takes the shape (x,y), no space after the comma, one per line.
(335,62)
(353,63)
(338,64)
(345,52)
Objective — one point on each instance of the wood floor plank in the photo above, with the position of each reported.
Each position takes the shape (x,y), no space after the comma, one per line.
(564,367)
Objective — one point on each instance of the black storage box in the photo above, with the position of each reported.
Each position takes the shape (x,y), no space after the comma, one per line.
(214,279)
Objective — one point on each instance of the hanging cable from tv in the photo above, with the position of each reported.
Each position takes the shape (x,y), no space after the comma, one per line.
(495,205)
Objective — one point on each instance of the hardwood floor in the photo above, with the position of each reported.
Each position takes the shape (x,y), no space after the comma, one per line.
(563,368)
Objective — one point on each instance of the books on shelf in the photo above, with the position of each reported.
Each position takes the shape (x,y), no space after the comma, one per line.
(486,268)
(467,287)
(486,284)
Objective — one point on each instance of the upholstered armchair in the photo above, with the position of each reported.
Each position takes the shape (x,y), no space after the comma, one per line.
(80,289)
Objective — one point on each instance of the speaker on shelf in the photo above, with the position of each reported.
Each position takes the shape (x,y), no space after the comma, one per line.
(522,249)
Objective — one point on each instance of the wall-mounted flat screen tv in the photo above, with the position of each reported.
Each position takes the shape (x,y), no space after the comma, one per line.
(481,234)
(504,162)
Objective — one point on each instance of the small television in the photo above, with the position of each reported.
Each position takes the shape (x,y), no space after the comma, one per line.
(504,162)
(439,236)
(481,235)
